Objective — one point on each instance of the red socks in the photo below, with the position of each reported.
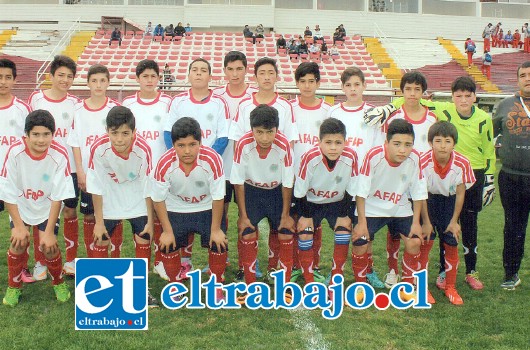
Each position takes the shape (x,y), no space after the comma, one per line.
(317,246)
(360,265)
(100,251)
(274,249)
(425,249)
(71,238)
(116,240)
(286,257)
(411,264)
(39,255)
(306,258)
(249,253)
(392,252)
(239,261)
(88,236)
(217,262)
(188,250)
(156,240)
(340,253)
(55,268)
(143,251)
(451,264)
(14,269)
(171,263)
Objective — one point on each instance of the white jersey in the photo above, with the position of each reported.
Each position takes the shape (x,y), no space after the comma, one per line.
(321,184)
(275,169)
(308,120)
(88,125)
(232,102)
(121,181)
(151,117)
(386,186)
(12,121)
(63,113)
(421,127)
(34,183)
(211,113)
(445,180)
(241,124)
(188,193)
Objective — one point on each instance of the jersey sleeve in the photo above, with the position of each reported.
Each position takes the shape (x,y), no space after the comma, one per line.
(217,185)
(363,181)
(303,178)
(172,116)
(63,185)
(288,169)
(9,192)
(222,120)
(237,175)
(352,185)
(237,126)
(291,130)
(96,174)
(73,136)
(418,186)
(157,188)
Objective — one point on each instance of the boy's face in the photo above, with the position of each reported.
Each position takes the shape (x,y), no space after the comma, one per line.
(308,85)
(354,88)
(39,140)
(148,80)
(199,76)
(63,79)
(7,81)
(463,101)
(332,145)
(523,81)
(121,138)
(412,93)
(442,146)
(98,84)
(187,149)
(235,72)
(264,137)
(399,147)
(266,77)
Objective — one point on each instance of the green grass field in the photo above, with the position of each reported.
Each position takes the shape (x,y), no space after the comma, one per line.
(489,319)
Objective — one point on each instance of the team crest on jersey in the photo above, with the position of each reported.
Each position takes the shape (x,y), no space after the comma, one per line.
(404,178)
(157,118)
(46,177)
(199,183)
(66,116)
(452,189)
(274,167)
(12,122)
(209,116)
(338,179)
(132,175)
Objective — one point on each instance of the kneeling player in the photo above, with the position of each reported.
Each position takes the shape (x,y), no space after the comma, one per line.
(448,174)
(35,180)
(325,175)
(188,189)
(389,175)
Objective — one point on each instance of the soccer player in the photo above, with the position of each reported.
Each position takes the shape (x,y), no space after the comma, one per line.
(447,174)
(151,108)
(61,105)
(211,112)
(185,208)
(13,113)
(35,180)
(88,125)
(323,190)
(383,201)
(263,177)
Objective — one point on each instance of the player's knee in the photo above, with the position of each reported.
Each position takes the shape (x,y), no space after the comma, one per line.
(89,218)
(69,213)
(52,255)
(305,235)
(360,243)
(343,230)
(450,240)
(359,249)
(17,250)
(413,244)
(144,239)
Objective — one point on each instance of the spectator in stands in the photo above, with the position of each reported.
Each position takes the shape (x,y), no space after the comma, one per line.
(470,48)
(169,31)
(260,31)
(188,29)
(303,49)
(308,33)
(338,36)
(314,48)
(324,48)
(501,39)
(281,43)
(180,30)
(495,35)
(508,39)
(517,42)
(115,36)
(334,52)
(168,77)
(248,34)
(149,29)
(486,34)
(159,30)
(317,33)
(486,64)
(526,37)
(342,30)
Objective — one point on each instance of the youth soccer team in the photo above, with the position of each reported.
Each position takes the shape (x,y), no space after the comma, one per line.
(171,167)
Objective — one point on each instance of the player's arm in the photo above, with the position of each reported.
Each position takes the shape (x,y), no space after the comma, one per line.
(426,226)
(286,221)
(361,228)
(19,233)
(167,239)
(217,236)
(81,175)
(148,228)
(243,222)
(222,129)
(488,150)
(453,226)
(99,227)
(48,241)
(415,228)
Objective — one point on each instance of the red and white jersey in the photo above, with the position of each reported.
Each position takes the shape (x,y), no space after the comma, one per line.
(12,120)
(151,117)
(241,124)
(421,127)
(34,183)
(232,102)
(211,113)
(321,184)
(270,171)
(308,120)
(88,125)
(444,180)
(386,186)
(359,136)
(121,181)
(188,193)
(63,112)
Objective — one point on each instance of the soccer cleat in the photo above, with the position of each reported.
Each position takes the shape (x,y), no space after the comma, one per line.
(69,268)
(295,275)
(151,301)
(430,298)
(407,296)
(511,283)
(391,278)
(440,281)
(40,272)
(62,292)
(184,269)
(26,276)
(160,271)
(473,281)
(240,275)
(12,296)
(318,277)
(288,297)
(259,274)
(241,299)
(374,280)
(453,296)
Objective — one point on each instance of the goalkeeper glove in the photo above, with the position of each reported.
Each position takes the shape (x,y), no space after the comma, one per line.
(378,115)
(488,194)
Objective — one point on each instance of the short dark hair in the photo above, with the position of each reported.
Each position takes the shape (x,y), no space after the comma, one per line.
(184,127)
(118,116)
(332,126)
(351,72)
(463,84)
(265,60)
(62,61)
(413,77)
(233,56)
(264,116)
(306,68)
(525,64)
(6,63)
(399,126)
(200,60)
(39,117)
(97,69)
(444,129)
(147,64)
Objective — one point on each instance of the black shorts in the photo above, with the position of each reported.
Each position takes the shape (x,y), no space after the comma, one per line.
(230,192)
(137,224)
(261,203)
(72,202)
(41,226)
(396,226)
(184,224)
(473,198)
(330,211)
(87,205)
(441,210)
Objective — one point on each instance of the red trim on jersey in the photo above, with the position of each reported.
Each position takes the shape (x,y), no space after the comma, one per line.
(15,144)
(164,163)
(140,101)
(349,152)
(99,141)
(281,141)
(268,104)
(392,164)
(143,145)
(227,110)
(26,149)
(10,103)
(62,150)
(85,106)
(208,155)
(308,108)
(345,108)
(239,106)
(49,99)
(34,93)
(248,138)
(421,121)
(203,101)
(245,92)
(467,173)
(365,169)
(442,171)
(420,175)
(306,158)
(187,173)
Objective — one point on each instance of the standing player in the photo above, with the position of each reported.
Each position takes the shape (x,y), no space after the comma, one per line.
(88,125)
(61,105)
(262,193)
(35,180)
(151,108)
(183,206)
